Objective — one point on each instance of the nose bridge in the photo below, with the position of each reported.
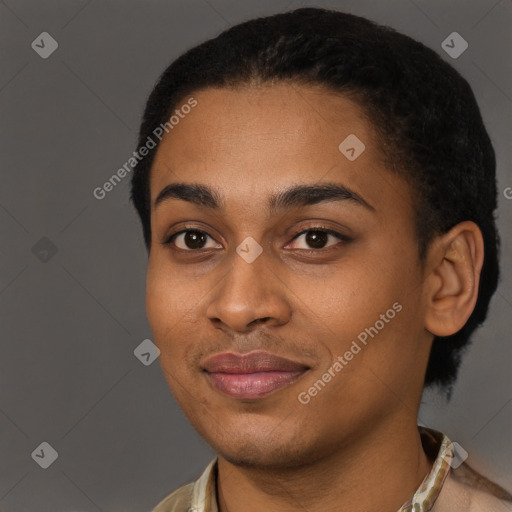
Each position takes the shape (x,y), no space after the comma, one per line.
(248,291)
(244,284)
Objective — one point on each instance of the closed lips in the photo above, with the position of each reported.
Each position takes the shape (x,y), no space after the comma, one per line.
(251,376)
(252,362)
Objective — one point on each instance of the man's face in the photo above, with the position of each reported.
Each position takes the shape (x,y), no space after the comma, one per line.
(243,341)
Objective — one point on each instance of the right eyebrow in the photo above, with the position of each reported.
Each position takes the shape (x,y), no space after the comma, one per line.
(191,192)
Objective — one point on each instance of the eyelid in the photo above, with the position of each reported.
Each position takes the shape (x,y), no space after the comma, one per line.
(170,239)
(324,229)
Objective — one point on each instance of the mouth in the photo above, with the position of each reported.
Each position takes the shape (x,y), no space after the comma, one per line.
(253,375)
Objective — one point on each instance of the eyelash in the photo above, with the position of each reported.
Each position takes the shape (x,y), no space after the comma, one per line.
(343,238)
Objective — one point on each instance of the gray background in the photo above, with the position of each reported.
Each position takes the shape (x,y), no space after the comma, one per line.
(70,324)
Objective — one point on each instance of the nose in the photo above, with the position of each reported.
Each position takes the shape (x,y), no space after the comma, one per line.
(249,295)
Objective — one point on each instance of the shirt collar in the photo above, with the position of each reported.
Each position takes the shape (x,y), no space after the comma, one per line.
(439,448)
(204,494)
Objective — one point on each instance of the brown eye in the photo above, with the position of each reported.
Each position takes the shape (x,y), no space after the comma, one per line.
(191,240)
(194,239)
(317,239)
(311,239)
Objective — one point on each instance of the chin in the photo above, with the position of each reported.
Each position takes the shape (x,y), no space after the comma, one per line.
(261,444)
(268,455)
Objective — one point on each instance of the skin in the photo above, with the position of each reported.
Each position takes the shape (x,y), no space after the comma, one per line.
(300,302)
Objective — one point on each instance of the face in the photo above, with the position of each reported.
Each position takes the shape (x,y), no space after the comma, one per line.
(284,286)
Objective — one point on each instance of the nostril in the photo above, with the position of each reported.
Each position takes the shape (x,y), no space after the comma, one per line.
(260,320)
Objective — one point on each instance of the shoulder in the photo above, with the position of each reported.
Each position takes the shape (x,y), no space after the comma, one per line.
(466,489)
(178,501)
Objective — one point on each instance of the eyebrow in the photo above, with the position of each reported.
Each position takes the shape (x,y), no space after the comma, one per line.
(296,196)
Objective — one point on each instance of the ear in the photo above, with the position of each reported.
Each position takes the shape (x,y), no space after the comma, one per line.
(455,261)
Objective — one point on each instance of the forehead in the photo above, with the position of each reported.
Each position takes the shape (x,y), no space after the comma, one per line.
(255,140)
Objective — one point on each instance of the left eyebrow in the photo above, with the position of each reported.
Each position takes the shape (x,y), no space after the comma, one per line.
(294,197)
(306,195)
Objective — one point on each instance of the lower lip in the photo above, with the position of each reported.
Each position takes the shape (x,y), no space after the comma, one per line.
(252,385)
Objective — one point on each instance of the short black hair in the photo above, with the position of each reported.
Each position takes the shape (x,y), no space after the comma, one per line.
(424,112)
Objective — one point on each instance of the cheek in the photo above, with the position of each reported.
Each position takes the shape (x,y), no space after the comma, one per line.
(351,297)
(166,309)
(168,303)
(372,300)
(159,304)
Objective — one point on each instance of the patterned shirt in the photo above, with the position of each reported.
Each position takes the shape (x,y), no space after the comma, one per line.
(450,486)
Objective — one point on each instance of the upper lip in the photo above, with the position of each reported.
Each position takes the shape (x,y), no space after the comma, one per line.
(252,362)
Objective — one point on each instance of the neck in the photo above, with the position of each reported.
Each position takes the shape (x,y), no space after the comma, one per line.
(380,471)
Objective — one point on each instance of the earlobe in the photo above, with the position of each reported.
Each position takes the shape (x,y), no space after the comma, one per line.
(452,285)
